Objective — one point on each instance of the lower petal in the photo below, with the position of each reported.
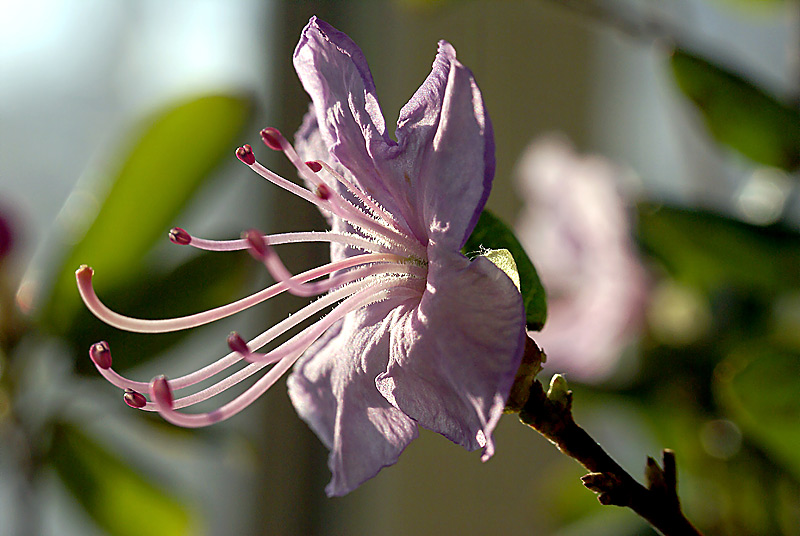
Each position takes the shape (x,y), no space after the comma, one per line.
(453,359)
(333,390)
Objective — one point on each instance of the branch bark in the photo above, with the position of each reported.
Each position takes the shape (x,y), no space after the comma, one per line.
(550,414)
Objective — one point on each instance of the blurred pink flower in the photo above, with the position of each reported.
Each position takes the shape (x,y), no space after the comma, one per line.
(576,228)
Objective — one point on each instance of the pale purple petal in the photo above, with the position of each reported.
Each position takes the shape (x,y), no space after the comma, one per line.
(336,76)
(438,176)
(447,152)
(453,358)
(333,390)
(576,227)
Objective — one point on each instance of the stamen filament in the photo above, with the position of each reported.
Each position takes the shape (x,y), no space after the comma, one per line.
(262,251)
(289,186)
(265,338)
(347,239)
(140,325)
(302,341)
(340,207)
(362,196)
(167,410)
(370,226)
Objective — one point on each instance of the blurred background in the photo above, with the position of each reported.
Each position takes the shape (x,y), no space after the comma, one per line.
(647,153)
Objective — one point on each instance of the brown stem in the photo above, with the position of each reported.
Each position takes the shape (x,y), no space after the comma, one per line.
(551,415)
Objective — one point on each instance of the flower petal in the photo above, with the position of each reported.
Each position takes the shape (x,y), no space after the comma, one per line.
(453,359)
(335,74)
(447,159)
(333,390)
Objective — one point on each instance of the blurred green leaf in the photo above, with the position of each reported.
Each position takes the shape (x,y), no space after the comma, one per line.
(763,7)
(491,233)
(120,500)
(175,153)
(738,113)
(710,251)
(208,280)
(760,387)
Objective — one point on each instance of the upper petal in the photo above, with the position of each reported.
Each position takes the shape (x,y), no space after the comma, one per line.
(447,151)
(336,76)
(333,390)
(453,359)
(438,176)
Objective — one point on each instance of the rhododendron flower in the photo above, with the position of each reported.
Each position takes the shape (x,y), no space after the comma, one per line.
(418,333)
(575,224)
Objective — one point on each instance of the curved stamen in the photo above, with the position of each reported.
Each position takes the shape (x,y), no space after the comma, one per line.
(263,252)
(162,396)
(343,209)
(299,342)
(289,186)
(267,336)
(338,205)
(139,325)
(377,210)
(347,239)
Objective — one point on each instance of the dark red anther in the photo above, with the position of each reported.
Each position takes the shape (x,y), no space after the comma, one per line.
(245,154)
(134,399)
(161,391)
(236,343)
(258,246)
(272,138)
(314,166)
(323,192)
(179,236)
(101,354)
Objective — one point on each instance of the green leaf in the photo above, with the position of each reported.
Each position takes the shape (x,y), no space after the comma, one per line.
(758,7)
(174,154)
(710,251)
(208,280)
(738,113)
(759,387)
(491,233)
(121,501)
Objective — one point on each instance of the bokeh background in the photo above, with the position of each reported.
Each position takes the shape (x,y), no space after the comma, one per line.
(118,120)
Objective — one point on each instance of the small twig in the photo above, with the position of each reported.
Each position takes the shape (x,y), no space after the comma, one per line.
(550,414)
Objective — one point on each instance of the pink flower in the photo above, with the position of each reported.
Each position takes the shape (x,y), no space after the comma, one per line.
(576,227)
(418,334)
